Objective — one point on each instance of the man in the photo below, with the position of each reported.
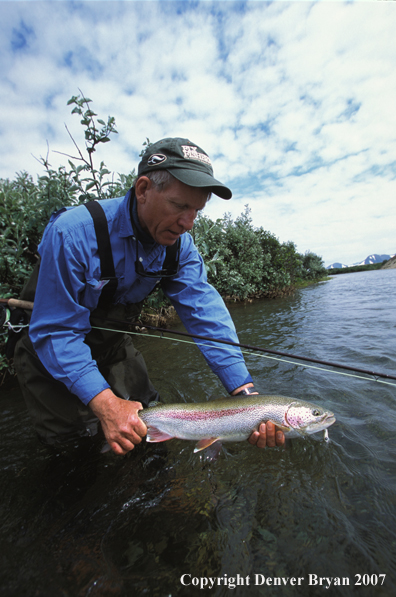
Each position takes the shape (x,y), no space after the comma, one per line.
(99,262)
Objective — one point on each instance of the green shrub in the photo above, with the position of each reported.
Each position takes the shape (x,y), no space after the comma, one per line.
(241,261)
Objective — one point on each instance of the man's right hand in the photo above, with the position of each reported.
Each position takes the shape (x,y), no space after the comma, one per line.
(120,422)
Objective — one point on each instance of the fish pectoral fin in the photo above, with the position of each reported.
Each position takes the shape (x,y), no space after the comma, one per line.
(283,428)
(155,435)
(212,453)
(205,443)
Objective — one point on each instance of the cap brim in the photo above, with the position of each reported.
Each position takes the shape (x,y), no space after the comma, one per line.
(196,178)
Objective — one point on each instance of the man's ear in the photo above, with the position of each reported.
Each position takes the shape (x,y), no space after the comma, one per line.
(142,185)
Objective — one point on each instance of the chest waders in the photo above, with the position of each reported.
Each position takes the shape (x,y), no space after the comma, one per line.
(58,415)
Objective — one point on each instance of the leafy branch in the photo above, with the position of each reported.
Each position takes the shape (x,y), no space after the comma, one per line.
(95,133)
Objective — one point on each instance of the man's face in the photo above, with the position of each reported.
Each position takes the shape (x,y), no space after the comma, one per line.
(167,213)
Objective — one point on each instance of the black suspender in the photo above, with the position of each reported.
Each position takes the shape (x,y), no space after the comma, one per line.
(105,253)
(170,261)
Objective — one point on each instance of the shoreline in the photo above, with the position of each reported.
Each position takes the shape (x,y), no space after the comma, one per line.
(168,315)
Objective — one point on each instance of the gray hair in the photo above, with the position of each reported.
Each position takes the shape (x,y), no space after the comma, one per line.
(161,178)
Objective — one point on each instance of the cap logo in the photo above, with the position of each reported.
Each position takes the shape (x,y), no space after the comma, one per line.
(155,159)
(191,153)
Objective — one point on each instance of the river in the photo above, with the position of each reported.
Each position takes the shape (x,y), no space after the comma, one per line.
(162,520)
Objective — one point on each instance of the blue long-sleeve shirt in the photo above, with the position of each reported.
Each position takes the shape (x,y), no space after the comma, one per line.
(69,288)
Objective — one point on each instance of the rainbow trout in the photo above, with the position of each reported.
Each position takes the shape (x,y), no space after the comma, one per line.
(233,419)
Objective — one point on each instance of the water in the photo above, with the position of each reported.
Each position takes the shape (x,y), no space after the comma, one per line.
(160,519)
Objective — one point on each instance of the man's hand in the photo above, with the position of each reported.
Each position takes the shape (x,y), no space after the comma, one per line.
(120,422)
(267,435)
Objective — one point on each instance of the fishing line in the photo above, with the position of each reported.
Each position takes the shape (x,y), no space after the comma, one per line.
(247,352)
(29,305)
(258,349)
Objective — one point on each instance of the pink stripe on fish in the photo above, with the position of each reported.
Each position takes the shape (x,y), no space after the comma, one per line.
(186,415)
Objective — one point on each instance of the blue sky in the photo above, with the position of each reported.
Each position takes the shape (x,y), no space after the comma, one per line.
(293,101)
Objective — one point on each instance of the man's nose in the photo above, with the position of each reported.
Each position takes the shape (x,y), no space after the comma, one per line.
(187,219)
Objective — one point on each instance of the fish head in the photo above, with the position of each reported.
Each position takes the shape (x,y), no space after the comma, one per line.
(306,418)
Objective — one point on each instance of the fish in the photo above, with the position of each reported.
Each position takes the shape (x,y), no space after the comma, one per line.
(233,419)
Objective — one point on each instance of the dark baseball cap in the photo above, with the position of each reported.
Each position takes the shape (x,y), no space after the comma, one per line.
(185,161)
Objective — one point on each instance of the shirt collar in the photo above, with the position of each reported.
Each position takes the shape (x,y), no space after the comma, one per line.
(130,225)
(126,228)
(145,238)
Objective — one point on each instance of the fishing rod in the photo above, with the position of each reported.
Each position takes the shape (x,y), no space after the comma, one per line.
(29,305)
(269,350)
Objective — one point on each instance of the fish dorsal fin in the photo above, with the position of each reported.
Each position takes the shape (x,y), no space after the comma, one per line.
(205,443)
(155,403)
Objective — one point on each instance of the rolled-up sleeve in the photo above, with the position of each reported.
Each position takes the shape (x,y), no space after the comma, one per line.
(203,312)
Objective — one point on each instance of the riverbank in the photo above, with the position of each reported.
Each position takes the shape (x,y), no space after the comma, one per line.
(164,316)
(390,264)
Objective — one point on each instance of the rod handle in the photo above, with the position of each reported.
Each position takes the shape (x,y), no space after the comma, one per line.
(14,303)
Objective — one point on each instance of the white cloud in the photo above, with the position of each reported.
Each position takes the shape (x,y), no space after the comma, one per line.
(293,101)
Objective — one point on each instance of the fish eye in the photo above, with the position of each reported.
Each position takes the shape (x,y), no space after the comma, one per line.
(316,412)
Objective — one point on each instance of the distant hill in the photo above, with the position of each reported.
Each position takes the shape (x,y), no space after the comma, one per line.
(391,264)
(375,258)
(336,265)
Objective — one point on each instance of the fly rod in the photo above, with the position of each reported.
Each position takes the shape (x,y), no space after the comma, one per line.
(269,350)
(29,305)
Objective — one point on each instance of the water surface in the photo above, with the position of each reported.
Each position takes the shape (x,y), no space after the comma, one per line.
(83,523)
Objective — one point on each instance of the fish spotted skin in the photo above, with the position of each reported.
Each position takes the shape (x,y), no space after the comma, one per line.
(233,419)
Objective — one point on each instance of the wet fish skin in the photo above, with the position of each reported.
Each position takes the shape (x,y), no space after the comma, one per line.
(233,419)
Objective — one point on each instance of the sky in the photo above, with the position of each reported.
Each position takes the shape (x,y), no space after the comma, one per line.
(295,103)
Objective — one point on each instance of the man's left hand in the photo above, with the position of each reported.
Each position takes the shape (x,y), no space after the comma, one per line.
(267,436)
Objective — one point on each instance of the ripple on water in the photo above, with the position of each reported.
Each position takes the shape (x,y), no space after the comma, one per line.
(89,524)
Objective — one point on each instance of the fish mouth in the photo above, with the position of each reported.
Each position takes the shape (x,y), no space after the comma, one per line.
(329,418)
(325,422)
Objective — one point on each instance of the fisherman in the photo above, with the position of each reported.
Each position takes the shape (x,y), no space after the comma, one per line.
(98,262)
